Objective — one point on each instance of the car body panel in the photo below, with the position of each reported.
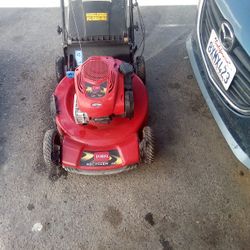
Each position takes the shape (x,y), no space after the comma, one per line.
(231,119)
(237,13)
(232,125)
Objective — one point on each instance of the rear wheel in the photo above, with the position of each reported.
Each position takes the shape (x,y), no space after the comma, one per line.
(141,68)
(129,104)
(52,148)
(147,145)
(59,68)
(53,109)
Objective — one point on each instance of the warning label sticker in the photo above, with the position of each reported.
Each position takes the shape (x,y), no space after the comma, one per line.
(96,17)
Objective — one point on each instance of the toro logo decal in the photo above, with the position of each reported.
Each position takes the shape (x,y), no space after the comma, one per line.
(101,156)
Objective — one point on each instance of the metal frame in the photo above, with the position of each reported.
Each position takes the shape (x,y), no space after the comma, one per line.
(235,107)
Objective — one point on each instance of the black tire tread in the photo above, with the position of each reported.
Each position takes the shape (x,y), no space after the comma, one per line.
(48,140)
(148,150)
(129,104)
(141,68)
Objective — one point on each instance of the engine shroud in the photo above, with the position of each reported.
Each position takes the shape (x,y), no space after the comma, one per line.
(99,87)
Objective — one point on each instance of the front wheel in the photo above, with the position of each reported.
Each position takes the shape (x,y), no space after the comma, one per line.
(52,149)
(147,146)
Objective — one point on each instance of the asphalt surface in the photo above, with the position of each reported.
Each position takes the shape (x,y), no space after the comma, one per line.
(196,195)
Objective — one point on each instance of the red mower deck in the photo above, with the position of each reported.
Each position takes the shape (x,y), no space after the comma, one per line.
(116,142)
(99,139)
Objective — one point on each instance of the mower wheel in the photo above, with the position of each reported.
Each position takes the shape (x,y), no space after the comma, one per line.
(51,148)
(147,145)
(141,68)
(53,109)
(129,104)
(60,73)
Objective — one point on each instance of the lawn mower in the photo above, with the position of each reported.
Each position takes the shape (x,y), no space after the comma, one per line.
(100,105)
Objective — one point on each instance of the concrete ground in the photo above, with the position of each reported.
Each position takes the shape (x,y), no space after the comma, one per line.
(196,195)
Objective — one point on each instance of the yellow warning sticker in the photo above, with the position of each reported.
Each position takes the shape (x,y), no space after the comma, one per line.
(96,17)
